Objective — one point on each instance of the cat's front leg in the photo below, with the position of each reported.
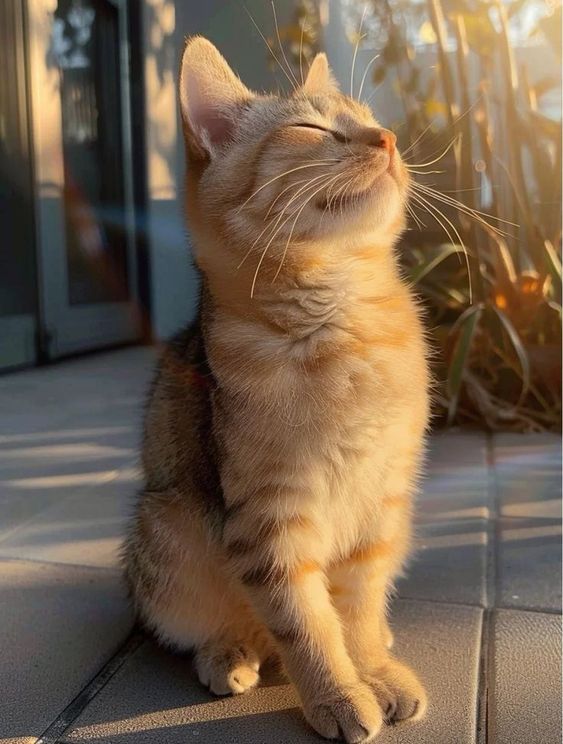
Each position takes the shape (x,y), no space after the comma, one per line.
(276,561)
(359,588)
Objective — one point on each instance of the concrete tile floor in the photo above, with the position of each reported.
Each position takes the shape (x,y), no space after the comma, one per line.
(478,613)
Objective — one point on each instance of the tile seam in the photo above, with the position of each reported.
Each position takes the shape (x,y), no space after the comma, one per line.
(62,723)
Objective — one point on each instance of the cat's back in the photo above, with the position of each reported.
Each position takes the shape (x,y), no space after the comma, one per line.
(178,417)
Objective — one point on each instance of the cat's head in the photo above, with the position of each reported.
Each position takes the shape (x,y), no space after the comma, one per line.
(309,166)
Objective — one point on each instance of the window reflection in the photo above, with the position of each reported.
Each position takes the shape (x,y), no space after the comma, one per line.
(85,49)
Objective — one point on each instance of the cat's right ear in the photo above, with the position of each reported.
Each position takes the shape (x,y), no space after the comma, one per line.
(320,79)
(211,97)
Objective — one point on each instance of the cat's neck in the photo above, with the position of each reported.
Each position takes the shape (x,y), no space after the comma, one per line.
(319,287)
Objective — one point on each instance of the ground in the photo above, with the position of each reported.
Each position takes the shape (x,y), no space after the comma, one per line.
(478,614)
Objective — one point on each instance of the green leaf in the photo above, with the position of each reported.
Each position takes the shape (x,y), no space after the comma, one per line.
(466,324)
(447,250)
(518,346)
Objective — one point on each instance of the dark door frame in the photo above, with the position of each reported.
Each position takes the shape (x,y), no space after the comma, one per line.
(138,165)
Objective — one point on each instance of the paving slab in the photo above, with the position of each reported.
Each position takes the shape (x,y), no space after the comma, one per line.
(58,626)
(85,529)
(156,698)
(528,475)
(76,394)
(529,564)
(36,475)
(528,489)
(449,562)
(467,448)
(68,437)
(525,696)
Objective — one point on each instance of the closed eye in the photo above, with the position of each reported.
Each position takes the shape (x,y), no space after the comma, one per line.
(337,135)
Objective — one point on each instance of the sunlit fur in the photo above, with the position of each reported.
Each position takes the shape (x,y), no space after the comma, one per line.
(284,431)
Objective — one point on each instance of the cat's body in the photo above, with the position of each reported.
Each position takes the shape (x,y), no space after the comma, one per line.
(283,439)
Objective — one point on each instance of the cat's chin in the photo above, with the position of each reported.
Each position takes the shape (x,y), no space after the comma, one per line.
(383,192)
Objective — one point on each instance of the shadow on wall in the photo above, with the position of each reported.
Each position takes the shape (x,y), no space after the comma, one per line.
(161,66)
(166,25)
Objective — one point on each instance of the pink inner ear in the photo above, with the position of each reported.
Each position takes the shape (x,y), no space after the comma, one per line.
(210,121)
(216,126)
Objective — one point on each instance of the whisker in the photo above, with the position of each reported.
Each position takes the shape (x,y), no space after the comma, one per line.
(424,173)
(415,217)
(282,192)
(417,140)
(331,197)
(435,211)
(281,46)
(369,99)
(431,162)
(314,164)
(282,68)
(455,121)
(477,214)
(274,222)
(338,188)
(342,195)
(464,209)
(356,197)
(372,60)
(308,181)
(270,241)
(293,227)
(358,40)
(438,215)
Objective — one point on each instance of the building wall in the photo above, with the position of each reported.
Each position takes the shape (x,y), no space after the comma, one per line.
(225,22)
(167,23)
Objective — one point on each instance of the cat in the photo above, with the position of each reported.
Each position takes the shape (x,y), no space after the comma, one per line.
(285,428)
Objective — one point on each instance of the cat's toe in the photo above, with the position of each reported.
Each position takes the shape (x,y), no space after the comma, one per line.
(241,679)
(399,692)
(227,671)
(351,715)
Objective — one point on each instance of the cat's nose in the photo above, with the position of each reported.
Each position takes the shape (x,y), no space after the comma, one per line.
(383,138)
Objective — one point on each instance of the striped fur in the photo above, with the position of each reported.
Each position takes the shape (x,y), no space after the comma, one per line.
(285,428)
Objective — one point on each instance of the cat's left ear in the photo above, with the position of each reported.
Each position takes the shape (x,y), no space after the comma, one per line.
(320,78)
(211,97)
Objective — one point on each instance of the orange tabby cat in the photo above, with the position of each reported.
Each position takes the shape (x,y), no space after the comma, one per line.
(285,428)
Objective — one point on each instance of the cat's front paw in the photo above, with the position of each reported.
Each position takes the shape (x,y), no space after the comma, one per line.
(351,715)
(398,691)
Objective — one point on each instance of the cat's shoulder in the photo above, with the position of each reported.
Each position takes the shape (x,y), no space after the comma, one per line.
(183,363)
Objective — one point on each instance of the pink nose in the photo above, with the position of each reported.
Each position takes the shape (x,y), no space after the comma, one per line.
(387,140)
(376,137)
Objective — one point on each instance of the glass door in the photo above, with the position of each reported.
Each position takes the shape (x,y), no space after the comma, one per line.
(82,136)
(18,290)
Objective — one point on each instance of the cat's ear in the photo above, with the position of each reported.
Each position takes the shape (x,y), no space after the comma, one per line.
(211,96)
(320,78)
